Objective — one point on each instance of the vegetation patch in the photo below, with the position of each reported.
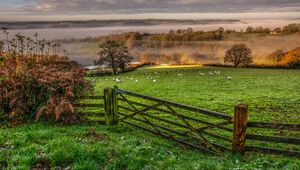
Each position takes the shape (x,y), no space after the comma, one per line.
(96,136)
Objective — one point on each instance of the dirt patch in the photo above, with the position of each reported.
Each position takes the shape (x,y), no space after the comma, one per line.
(43,164)
(92,133)
(3,164)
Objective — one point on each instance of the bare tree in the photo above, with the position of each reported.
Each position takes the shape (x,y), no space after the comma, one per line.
(115,54)
(1,47)
(239,55)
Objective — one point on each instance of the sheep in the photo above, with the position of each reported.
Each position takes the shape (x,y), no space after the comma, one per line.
(201,74)
(228,77)
(154,81)
(217,72)
(118,80)
(211,73)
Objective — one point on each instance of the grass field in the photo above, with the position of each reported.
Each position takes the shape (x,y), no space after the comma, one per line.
(272,95)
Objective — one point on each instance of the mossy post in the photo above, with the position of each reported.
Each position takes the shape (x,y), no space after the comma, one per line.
(240,128)
(111,106)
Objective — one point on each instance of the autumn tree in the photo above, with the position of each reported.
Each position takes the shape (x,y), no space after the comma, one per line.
(239,55)
(115,54)
(291,28)
(276,56)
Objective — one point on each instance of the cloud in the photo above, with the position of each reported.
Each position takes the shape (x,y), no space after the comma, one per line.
(116,9)
(150,6)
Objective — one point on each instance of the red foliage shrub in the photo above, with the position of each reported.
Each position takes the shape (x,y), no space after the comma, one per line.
(35,87)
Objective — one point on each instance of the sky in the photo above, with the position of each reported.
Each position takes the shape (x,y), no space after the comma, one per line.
(21,10)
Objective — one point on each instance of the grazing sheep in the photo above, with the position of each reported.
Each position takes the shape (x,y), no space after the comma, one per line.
(228,77)
(201,74)
(211,73)
(154,81)
(136,81)
(217,72)
(118,80)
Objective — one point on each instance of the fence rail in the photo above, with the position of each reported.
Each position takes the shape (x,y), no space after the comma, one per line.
(84,109)
(279,126)
(183,106)
(204,130)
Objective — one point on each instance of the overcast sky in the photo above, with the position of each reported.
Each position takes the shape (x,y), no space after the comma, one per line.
(134,9)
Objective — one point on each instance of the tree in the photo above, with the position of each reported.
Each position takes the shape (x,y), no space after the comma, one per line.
(115,54)
(250,29)
(238,54)
(1,47)
(276,56)
(291,28)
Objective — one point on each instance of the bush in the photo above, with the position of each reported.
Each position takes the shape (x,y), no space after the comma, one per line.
(35,87)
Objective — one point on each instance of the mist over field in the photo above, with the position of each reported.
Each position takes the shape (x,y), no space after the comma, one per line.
(199,52)
(204,52)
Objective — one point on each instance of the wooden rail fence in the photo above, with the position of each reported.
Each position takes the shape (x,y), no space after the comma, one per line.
(206,130)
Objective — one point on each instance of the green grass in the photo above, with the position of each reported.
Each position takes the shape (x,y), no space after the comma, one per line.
(116,147)
(272,95)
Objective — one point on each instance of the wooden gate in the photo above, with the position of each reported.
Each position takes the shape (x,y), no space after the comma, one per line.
(206,130)
(199,128)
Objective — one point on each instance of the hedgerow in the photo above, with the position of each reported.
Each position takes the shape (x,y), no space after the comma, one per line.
(35,87)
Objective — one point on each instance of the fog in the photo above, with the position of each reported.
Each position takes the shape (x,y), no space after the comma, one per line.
(61,33)
(195,52)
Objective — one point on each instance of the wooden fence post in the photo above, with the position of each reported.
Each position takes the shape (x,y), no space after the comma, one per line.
(115,105)
(110,106)
(240,127)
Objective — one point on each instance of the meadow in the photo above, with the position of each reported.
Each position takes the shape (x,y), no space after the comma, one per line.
(272,96)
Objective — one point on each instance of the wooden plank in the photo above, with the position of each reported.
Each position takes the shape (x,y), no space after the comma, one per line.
(157,118)
(240,128)
(102,122)
(179,125)
(184,116)
(140,111)
(88,105)
(91,114)
(92,97)
(274,139)
(295,127)
(173,139)
(272,151)
(223,148)
(178,105)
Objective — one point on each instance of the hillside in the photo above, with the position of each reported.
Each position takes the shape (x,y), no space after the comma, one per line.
(108,23)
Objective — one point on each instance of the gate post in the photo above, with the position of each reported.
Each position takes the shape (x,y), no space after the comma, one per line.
(240,127)
(110,106)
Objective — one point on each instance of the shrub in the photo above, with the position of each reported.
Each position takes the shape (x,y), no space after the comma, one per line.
(36,87)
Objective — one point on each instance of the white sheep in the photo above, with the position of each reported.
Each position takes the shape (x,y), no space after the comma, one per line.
(118,80)
(228,77)
(201,74)
(217,72)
